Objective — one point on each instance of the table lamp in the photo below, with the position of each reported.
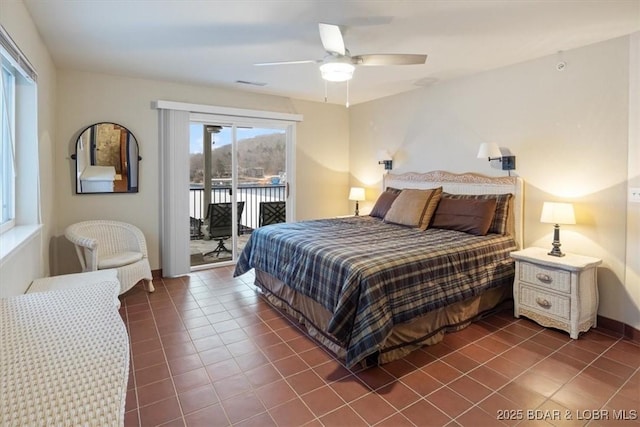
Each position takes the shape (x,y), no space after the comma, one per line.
(557,213)
(357,194)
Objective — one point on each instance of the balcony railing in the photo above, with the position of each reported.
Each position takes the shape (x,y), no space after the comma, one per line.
(252,195)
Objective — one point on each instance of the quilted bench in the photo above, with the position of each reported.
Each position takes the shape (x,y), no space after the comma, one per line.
(74,281)
(64,358)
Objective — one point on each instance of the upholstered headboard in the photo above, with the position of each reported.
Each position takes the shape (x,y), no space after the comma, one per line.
(468,183)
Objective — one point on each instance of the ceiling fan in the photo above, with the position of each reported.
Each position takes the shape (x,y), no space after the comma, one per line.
(338,65)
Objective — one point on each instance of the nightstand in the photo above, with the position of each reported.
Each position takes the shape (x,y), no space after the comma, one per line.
(557,292)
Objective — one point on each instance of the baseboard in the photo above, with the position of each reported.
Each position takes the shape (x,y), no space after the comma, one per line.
(156,274)
(620,328)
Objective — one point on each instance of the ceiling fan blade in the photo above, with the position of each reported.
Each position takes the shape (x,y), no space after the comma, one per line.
(390,59)
(304,61)
(331,37)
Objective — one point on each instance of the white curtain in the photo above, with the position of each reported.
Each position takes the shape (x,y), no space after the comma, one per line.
(174,197)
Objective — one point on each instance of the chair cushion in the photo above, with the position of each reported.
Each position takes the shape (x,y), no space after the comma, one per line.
(118,260)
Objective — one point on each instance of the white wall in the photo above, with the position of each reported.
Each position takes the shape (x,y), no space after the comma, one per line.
(569,131)
(632,278)
(322,161)
(31,260)
(86,98)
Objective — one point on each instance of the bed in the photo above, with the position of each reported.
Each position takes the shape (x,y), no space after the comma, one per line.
(374,288)
(98,179)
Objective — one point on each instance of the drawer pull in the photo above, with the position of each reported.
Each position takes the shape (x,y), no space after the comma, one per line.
(545,278)
(543,303)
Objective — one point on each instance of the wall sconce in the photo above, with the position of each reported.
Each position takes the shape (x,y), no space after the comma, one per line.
(357,194)
(557,213)
(384,158)
(491,151)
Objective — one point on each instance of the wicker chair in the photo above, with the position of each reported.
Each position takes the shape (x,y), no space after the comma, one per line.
(102,244)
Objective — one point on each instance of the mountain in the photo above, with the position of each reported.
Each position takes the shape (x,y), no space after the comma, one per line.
(258,157)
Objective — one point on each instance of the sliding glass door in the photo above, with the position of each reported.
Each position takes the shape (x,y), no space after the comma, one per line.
(238,182)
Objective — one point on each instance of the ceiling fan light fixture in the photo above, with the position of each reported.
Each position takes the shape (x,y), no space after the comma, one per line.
(337,71)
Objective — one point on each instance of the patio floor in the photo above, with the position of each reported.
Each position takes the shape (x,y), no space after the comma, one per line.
(200,247)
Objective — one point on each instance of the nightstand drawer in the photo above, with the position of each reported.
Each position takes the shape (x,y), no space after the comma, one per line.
(554,279)
(545,302)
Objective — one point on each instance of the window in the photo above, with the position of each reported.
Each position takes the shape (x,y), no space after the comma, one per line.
(7,149)
(18,137)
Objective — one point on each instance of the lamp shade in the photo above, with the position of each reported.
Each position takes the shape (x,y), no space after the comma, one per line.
(489,150)
(557,213)
(337,71)
(356,193)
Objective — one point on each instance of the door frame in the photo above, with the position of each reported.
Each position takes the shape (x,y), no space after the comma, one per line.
(173,121)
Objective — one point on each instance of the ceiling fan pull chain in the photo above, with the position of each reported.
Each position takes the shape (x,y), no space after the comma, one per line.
(325,91)
(347,93)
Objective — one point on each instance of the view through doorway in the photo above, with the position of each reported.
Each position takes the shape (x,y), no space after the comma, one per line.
(237,181)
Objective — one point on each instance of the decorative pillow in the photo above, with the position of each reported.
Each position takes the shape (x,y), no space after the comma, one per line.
(500,218)
(384,202)
(414,207)
(394,190)
(472,216)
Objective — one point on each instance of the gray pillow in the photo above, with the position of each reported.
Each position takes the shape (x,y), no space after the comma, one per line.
(384,202)
(501,216)
(472,216)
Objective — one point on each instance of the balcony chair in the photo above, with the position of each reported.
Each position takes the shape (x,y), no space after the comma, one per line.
(272,213)
(220,224)
(103,244)
(195,226)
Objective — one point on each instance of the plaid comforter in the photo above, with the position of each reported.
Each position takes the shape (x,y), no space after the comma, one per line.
(372,275)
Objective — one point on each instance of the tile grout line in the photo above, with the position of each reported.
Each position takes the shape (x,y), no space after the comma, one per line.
(164,353)
(282,377)
(224,410)
(310,368)
(466,374)
(299,396)
(233,307)
(132,366)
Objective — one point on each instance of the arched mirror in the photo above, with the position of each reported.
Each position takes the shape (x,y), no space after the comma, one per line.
(106,160)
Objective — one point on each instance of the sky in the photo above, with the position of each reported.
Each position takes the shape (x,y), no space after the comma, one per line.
(224,137)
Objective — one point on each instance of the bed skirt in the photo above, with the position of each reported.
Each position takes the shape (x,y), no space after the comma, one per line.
(404,338)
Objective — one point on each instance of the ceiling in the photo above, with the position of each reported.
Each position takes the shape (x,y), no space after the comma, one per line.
(216,42)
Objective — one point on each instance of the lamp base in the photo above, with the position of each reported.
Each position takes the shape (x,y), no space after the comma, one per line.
(357,209)
(556,252)
(556,242)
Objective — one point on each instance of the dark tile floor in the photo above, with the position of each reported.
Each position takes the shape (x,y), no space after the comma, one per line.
(207,350)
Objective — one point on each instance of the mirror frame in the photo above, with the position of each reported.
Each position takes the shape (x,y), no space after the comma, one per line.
(102,179)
